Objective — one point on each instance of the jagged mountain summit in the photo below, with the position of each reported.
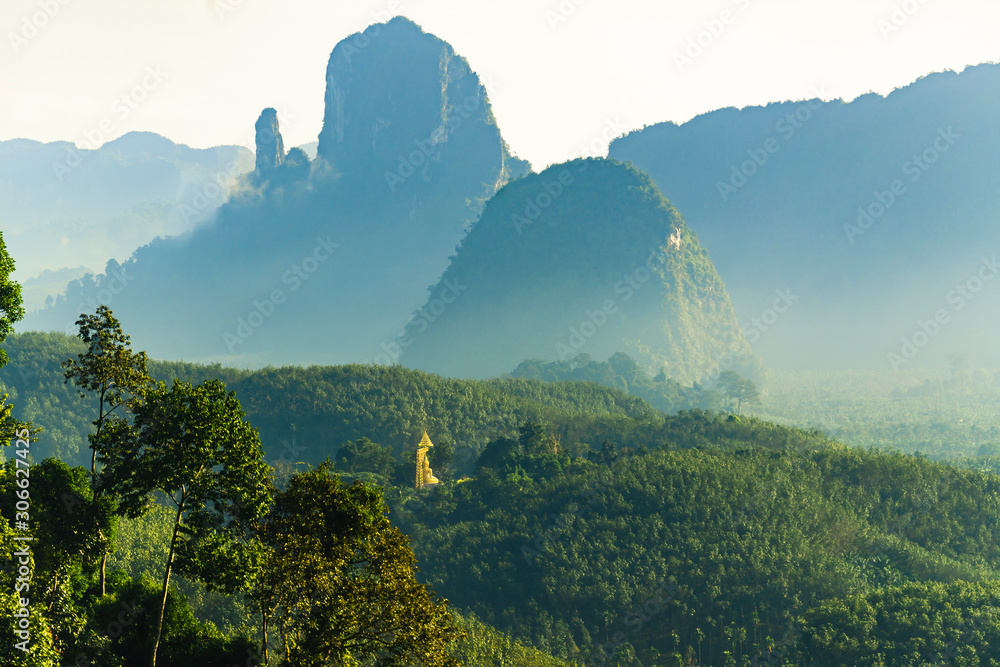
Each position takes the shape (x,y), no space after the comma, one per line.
(319,261)
(397,133)
(879,214)
(587,257)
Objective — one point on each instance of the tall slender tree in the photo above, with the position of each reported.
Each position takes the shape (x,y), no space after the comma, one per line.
(11,310)
(117,377)
(192,444)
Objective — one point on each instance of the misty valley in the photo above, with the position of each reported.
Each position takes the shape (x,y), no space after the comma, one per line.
(724,395)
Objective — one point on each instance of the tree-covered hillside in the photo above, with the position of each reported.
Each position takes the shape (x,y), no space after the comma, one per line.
(305,414)
(733,542)
(579,525)
(587,256)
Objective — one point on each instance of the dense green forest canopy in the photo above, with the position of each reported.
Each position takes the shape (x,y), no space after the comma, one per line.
(575,523)
(733,539)
(305,414)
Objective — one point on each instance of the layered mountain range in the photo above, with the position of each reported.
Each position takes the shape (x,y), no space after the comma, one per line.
(880,215)
(68,209)
(856,234)
(326,260)
(316,261)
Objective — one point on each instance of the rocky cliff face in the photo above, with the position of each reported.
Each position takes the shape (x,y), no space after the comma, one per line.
(270,147)
(404,108)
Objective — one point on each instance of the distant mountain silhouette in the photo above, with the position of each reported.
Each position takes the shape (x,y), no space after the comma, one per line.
(64,206)
(319,261)
(881,215)
(587,257)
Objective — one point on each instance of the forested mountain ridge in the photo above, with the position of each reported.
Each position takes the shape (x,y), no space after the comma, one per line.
(305,414)
(829,199)
(585,257)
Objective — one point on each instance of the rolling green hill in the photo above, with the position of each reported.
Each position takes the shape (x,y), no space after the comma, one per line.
(305,414)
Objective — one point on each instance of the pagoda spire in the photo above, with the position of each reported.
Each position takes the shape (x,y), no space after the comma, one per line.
(425,476)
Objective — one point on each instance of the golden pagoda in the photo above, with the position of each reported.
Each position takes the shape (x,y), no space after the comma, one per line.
(425,477)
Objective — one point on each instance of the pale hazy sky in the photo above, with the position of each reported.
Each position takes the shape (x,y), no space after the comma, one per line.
(561,74)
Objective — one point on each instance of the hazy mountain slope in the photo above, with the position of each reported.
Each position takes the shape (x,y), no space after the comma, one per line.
(876,213)
(319,262)
(63,206)
(586,257)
